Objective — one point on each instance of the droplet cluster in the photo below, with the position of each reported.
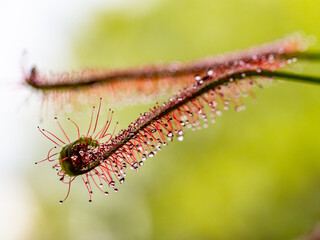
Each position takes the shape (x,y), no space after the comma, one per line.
(190,108)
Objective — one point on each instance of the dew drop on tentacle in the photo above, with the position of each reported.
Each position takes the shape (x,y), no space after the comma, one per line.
(180,135)
(121,180)
(180,138)
(197,77)
(184,118)
(112,184)
(238,108)
(134,165)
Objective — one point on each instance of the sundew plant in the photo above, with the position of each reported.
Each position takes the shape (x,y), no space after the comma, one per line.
(102,156)
(179,120)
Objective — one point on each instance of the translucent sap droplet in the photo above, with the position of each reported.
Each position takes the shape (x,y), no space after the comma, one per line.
(144,157)
(116,189)
(60,201)
(271,58)
(121,180)
(184,118)
(112,184)
(140,163)
(106,193)
(101,185)
(135,165)
(218,112)
(180,138)
(180,132)
(238,108)
(151,154)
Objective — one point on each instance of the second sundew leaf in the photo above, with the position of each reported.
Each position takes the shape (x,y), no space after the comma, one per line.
(100,157)
(146,82)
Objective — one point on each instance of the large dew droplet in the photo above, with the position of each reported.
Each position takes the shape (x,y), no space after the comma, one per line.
(180,138)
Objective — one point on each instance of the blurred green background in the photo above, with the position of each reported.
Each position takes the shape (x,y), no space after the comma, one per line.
(252,175)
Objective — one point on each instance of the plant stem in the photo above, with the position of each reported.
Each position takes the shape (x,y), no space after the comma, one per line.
(288,76)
